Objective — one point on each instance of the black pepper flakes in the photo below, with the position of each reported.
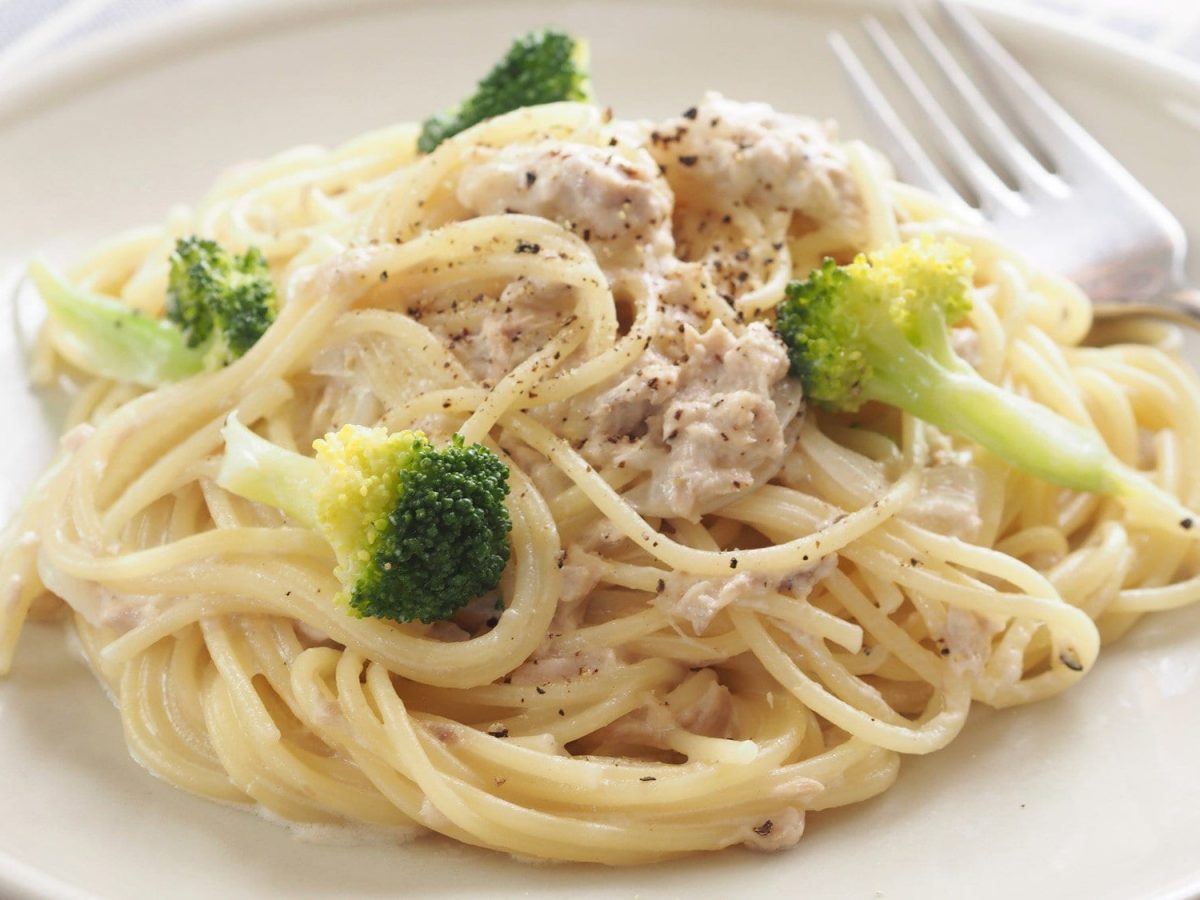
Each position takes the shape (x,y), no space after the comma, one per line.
(526,247)
(688,160)
(530,178)
(690,113)
(647,778)
(1070,662)
(499,733)
(765,828)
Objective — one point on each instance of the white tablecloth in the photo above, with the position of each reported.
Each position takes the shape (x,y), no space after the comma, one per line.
(30,29)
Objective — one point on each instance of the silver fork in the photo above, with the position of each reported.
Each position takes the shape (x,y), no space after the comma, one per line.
(1083,215)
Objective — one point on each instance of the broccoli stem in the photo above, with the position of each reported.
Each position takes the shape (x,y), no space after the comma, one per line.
(1020,431)
(112,339)
(259,470)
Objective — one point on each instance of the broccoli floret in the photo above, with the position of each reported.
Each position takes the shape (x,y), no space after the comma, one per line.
(218,306)
(540,67)
(878,330)
(418,530)
(103,335)
(219,301)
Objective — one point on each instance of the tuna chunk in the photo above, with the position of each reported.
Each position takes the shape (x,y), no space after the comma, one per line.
(710,713)
(728,154)
(697,600)
(709,424)
(618,203)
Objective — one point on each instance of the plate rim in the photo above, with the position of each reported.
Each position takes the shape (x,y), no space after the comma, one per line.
(132,49)
(129,47)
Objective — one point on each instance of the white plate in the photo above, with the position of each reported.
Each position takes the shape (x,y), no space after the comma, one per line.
(1092,794)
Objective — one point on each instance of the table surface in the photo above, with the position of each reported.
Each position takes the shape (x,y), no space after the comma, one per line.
(33,29)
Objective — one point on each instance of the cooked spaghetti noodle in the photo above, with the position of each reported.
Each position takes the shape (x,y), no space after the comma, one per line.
(723,609)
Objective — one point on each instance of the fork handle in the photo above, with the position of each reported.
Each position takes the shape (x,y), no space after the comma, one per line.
(1181,305)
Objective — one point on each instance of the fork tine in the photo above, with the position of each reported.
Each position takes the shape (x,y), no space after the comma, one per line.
(994,195)
(989,125)
(1060,136)
(912,162)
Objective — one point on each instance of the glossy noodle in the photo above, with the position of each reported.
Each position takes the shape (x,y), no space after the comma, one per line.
(725,607)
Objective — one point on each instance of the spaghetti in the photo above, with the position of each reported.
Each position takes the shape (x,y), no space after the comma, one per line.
(724,608)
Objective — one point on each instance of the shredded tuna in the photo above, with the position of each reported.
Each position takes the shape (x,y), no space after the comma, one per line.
(648,726)
(697,601)
(713,427)
(948,501)
(968,639)
(580,574)
(617,202)
(479,614)
(780,832)
(520,321)
(622,410)
(800,583)
(733,154)
(124,612)
(560,666)
(710,714)
(447,633)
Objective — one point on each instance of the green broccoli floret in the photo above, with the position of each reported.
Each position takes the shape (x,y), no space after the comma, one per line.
(418,531)
(221,302)
(218,306)
(540,67)
(878,330)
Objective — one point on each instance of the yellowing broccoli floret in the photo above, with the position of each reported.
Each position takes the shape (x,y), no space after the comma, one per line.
(359,490)
(878,330)
(418,531)
(844,320)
